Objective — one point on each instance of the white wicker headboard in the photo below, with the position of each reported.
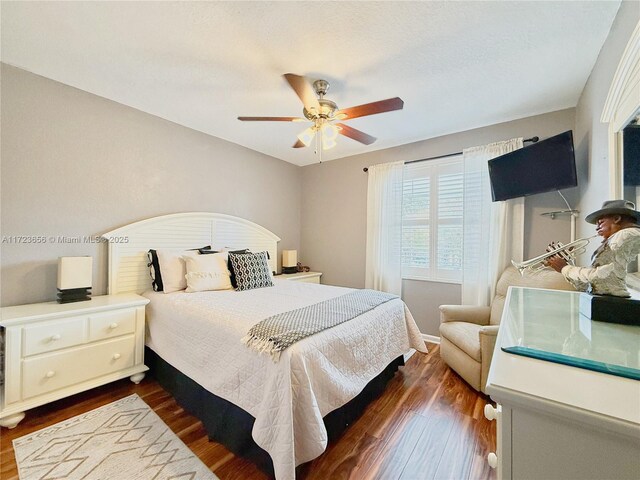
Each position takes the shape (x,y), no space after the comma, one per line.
(128,246)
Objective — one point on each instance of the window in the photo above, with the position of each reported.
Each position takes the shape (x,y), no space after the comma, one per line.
(432,220)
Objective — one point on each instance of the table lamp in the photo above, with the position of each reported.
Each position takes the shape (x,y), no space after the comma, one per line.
(74,279)
(289,261)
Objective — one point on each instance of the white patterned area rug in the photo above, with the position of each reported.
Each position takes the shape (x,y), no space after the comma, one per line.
(124,440)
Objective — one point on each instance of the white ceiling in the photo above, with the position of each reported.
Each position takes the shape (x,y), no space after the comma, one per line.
(456,65)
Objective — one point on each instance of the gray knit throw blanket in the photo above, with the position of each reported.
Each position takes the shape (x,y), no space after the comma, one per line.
(273,334)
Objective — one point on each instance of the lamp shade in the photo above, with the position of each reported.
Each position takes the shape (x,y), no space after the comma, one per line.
(307,136)
(289,258)
(75,272)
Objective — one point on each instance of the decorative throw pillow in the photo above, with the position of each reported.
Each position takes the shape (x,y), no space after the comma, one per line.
(251,270)
(229,266)
(156,272)
(244,251)
(207,272)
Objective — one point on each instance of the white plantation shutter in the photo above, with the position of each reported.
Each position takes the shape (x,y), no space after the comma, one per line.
(415,221)
(449,243)
(432,220)
(415,246)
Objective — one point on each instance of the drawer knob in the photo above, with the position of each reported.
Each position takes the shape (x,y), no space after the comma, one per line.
(55,337)
(113,325)
(50,374)
(490,412)
(492,460)
(116,356)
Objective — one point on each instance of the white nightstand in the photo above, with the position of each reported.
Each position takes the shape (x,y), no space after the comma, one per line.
(55,350)
(309,277)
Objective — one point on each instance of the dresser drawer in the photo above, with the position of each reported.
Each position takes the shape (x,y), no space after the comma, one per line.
(50,336)
(58,370)
(111,324)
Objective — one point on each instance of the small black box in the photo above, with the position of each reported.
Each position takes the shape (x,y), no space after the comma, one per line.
(606,308)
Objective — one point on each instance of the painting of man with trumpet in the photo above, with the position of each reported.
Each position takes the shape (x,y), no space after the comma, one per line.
(618,223)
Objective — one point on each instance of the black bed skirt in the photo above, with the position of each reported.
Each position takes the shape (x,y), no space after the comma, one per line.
(231,426)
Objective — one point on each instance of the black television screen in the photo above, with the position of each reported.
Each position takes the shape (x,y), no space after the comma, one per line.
(631,149)
(544,166)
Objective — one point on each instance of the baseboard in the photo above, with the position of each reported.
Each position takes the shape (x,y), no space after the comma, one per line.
(430,338)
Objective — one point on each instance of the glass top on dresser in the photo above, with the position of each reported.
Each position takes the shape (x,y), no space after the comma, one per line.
(546,324)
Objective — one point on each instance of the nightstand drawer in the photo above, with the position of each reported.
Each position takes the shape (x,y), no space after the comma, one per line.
(111,324)
(309,279)
(305,277)
(50,336)
(51,372)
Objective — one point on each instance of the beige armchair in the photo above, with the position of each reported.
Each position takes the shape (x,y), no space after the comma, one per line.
(468,333)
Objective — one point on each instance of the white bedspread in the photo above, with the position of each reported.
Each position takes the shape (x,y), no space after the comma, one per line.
(199,334)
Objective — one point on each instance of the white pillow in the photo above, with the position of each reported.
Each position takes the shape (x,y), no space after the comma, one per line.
(173,268)
(207,272)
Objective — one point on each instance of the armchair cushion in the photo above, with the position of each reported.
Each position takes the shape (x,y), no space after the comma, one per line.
(465,335)
(465,313)
(545,278)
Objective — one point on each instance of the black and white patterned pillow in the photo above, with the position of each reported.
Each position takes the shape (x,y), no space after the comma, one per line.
(251,270)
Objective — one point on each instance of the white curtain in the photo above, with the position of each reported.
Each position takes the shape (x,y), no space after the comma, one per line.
(384,228)
(493,232)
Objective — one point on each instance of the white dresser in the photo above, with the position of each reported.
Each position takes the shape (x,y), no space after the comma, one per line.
(55,350)
(309,277)
(557,421)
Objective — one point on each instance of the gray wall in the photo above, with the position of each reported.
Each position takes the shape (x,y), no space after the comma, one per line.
(334,200)
(76,164)
(591,136)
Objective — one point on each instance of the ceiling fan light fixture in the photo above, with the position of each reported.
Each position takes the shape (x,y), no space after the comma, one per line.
(329,130)
(306,136)
(328,143)
(321,112)
(329,135)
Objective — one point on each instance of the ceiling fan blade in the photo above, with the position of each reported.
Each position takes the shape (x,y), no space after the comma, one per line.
(304,91)
(381,106)
(271,119)
(355,134)
(299,144)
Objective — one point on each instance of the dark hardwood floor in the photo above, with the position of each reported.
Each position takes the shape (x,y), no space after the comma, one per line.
(428,424)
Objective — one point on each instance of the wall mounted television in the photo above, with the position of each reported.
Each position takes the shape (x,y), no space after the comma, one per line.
(542,167)
(631,148)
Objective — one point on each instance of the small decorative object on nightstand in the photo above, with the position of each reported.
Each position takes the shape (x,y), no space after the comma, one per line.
(55,350)
(289,261)
(308,277)
(74,279)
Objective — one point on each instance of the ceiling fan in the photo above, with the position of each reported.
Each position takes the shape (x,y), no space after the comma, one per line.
(323,114)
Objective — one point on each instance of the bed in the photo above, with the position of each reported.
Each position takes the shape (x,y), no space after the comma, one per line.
(284,411)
